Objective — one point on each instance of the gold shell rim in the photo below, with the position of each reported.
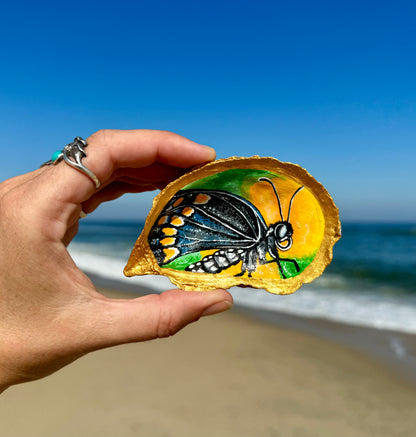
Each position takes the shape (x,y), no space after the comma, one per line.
(143,262)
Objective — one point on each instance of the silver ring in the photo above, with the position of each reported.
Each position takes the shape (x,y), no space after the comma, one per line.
(72,154)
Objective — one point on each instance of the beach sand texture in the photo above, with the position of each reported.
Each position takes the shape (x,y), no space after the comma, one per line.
(227,375)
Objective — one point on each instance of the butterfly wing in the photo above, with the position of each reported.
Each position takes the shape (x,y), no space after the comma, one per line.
(196,220)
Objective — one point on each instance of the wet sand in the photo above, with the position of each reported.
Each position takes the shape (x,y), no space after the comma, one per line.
(227,375)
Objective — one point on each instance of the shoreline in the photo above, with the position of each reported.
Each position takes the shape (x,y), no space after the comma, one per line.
(229,375)
(395,350)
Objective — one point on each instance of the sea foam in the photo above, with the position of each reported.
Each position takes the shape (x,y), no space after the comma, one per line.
(328,297)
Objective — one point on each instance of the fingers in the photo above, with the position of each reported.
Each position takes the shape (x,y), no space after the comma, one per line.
(111,150)
(112,192)
(156,316)
(156,146)
(130,180)
(59,190)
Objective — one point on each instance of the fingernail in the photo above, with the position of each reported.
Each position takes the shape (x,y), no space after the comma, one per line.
(218,307)
(210,151)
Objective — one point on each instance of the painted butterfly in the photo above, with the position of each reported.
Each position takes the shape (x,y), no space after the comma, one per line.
(196,220)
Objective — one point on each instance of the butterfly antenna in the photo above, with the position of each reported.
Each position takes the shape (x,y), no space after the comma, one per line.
(275,192)
(291,200)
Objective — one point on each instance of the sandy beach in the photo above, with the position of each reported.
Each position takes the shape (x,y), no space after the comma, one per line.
(227,375)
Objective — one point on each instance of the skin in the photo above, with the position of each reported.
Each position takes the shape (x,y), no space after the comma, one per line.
(50,312)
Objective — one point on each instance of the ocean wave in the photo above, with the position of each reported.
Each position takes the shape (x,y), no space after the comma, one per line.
(329,297)
(332,281)
(367,274)
(362,309)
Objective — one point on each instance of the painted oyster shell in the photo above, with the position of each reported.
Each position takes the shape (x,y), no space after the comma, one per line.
(252,221)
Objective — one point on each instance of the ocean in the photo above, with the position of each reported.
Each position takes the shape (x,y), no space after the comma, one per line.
(371,281)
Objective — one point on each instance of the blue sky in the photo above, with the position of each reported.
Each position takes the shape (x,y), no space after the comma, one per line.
(328,85)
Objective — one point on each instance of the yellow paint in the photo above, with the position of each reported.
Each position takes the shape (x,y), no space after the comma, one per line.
(306,216)
(170,253)
(169,231)
(306,219)
(188,211)
(143,261)
(270,270)
(177,221)
(168,241)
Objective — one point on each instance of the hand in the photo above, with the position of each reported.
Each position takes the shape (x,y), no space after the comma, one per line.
(50,312)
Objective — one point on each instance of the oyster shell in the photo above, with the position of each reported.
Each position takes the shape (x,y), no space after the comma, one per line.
(252,221)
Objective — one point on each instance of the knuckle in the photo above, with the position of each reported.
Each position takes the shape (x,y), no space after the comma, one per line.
(165,327)
(168,323)
(167,135)
(102,136)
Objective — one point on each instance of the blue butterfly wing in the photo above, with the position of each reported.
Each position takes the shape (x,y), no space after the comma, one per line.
(196,220)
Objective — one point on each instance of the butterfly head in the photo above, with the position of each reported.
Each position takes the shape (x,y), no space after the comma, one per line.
(282,233)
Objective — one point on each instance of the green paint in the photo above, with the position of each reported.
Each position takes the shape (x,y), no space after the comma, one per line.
(183,262)
(290,269)
(236,181)
(239,182)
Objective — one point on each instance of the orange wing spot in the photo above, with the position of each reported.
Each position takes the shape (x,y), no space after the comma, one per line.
(188,211)
(168,241)
(163,220)
(177,221)
(170,253)
(178,202)
(169,231)
(201,199)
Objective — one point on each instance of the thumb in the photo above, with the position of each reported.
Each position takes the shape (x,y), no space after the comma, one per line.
(156,315)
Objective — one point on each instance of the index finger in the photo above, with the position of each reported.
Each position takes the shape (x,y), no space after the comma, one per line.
(111,149)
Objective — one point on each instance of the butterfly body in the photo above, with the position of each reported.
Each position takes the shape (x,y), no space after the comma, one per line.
(199,220)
